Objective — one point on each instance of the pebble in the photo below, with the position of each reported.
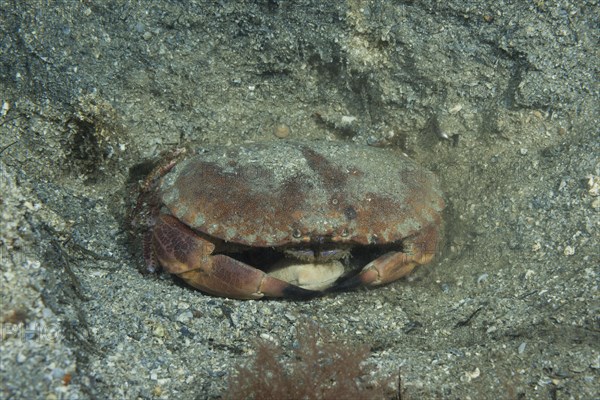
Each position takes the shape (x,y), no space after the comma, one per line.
(268,337)
(21,358)
(159,330)
(348,119)
(482,278)
(185,316)
(58,373)
(282,131)
(593,184)
(290,317)
(470,375)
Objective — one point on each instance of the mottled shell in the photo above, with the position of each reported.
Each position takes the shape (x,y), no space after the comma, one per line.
(278,193)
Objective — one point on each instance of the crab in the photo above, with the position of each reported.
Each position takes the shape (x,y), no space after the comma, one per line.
(290,219)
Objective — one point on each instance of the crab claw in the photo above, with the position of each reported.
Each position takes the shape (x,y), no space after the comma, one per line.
(387,268)
(396,264)
(228,277)
(182,252)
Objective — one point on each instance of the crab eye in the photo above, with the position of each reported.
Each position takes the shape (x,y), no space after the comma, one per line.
(296,233)
(373,239)
(344,232)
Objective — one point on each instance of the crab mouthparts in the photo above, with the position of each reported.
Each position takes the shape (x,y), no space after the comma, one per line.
(317,255)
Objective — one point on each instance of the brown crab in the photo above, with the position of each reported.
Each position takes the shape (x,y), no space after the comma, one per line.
(291,219)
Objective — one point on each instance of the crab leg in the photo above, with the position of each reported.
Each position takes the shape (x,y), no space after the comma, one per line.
(182,252)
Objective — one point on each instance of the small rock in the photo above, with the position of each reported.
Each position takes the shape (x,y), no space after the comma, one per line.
(482,278)
(282,131)
(159,330)
(348,119)
(21,358)
(185,317)
(569,251)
